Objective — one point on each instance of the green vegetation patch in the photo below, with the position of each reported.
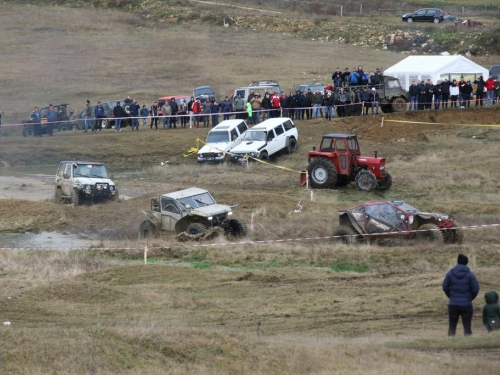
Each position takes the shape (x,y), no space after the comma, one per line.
(350,267)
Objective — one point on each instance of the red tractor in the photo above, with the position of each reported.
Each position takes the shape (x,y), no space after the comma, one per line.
(339,162)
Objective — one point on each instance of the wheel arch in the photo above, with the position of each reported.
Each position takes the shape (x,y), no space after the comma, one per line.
(346,219)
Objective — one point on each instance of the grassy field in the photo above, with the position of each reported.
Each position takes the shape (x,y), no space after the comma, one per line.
(307,307)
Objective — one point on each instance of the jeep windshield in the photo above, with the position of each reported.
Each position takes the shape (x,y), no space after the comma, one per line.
(255,135)
(199,200)
(216,137)
(204,91)
(90,170)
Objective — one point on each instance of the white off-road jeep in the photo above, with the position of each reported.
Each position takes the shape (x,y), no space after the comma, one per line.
(222,139)
(193,211)
(267,139)
(81,180)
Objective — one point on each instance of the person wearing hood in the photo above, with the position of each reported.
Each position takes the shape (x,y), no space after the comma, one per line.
(480,90)
(491,311)
(454,92)
(461,287)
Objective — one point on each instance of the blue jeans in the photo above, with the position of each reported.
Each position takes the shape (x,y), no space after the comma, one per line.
(118,123)
(255,116)
(317,107)
(489,97)
(329,112)
(88,124)
(144,121)
(414,101)
(437,101)
(375,105)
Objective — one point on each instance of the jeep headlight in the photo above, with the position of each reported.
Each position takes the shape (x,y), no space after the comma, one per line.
(229,213)
(200,155)
(219,154)
(87,187)
(210,218)
(112,187)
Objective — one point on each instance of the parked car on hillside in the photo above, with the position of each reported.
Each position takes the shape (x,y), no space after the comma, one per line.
(424,15)
(204,93)
(267,82)
(108,119)
(64,123)
(267,139)
(313,86)
(221,139)
(178,99)
(245,91)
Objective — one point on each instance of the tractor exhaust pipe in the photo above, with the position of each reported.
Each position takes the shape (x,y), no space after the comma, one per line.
(376,153)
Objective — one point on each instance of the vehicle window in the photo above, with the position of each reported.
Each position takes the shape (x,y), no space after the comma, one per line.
(234,134)
(385,212)
(199,200)
(105,106)
(161,103)
(215,137)
(420,12)
(67,172)
(61,168)
(203,91)
(241,92)
(270,135)
(90,170)
(431,12)
(288,125)
(326,145)
(255,135)
(242,127)
(169,205)
(279,130)
(353,144)
(340,143)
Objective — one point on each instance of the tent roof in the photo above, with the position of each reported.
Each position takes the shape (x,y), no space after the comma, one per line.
(435,64)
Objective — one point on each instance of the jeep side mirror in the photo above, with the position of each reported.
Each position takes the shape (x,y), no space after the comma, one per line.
(314,148)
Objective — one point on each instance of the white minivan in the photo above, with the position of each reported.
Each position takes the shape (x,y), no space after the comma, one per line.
(222,139)
(266,139)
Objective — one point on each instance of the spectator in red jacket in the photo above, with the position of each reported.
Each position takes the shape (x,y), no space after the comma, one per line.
(275,105)
(490,86)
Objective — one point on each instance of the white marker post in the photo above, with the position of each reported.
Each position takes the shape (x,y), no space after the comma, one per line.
(146,254)
(251,223)
(312,195)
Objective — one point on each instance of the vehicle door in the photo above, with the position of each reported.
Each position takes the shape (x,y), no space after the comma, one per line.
(271,142)
(344,157)
(60,174)
(280,139)
(242,128)
(67,185)
(429,15)
(420,15)
(354,152)
(170,213)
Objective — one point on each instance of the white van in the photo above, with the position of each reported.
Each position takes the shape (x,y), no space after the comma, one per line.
(266,139)
(245,91)
(221,139)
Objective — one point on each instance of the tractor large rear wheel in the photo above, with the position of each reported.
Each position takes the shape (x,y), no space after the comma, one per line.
(366,180)
(384,183)
(431,233)
(347,235)
(322,173)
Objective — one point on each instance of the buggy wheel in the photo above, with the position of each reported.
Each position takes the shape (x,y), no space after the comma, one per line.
(58,196)
(322,173)
(147,229)
(75,197)
(196,228)
(384,183)
(237,228)
(28,131)
(366,180)
(431,233)
(292,146)
(454,236)
(348,235)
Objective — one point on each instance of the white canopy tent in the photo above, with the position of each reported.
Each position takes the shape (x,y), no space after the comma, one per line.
(415,68)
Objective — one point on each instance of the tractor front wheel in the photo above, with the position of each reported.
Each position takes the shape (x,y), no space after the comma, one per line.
(366,180)
(322,173)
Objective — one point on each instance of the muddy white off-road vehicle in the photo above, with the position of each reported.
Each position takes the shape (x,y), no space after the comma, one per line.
(77,181)
(193,211)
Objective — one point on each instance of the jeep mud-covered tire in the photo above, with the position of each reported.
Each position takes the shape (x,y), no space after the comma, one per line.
(348,235)
(454,236)
(64,127)
(196,228)
(365,180)
(292,146)
(29,131)
(384,183)
(237,228)
(398,105)
(75,197)
(430,233)
(58,196)
(147,229)
(322,173)
(265,157)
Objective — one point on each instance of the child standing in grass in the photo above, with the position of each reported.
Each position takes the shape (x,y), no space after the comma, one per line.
(491,311)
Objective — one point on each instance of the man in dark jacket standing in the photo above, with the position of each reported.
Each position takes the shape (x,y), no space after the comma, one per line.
(461,287)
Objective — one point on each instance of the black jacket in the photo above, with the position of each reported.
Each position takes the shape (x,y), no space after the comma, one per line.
(413,90)
(467,89)
(174,106)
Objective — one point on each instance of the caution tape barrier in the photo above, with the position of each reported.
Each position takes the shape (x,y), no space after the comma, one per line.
(232,243)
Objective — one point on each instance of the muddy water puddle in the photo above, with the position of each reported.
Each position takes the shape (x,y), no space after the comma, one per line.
(45,240)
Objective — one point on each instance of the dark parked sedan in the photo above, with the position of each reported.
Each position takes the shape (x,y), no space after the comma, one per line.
(425,15)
